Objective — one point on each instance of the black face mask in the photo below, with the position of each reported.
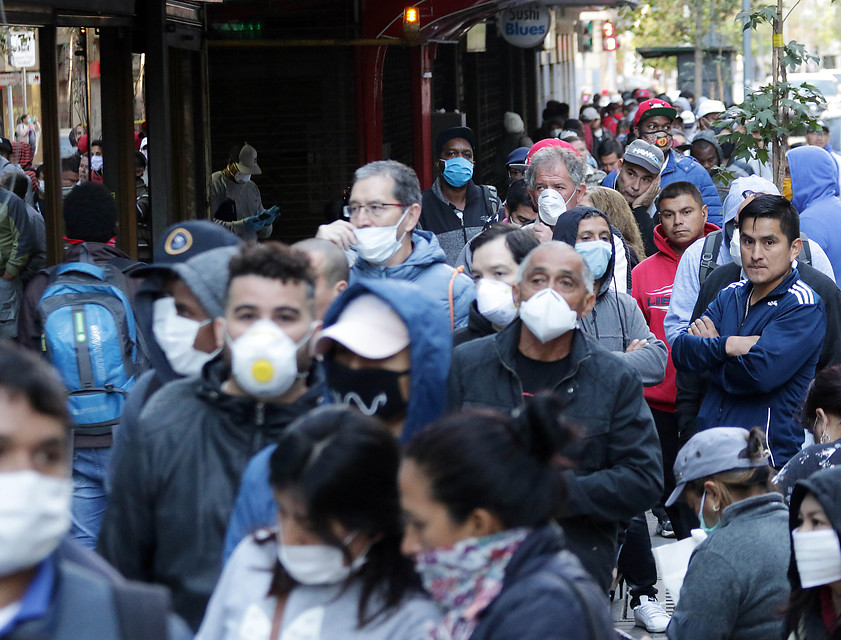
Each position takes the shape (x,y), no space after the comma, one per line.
(375,392)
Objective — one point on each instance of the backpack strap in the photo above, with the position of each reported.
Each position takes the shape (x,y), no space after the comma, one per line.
(492,204)
(709,255)
(142,611)
(806,253)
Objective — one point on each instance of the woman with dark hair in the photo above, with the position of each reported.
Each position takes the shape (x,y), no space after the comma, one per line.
(820,417)
(814,611)
(479,491)
(497,253)
(736,584)
(332,567)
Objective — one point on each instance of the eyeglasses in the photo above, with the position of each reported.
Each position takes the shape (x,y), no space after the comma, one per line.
(374,209)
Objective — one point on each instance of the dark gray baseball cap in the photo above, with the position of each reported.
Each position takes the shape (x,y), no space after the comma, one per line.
(712,451)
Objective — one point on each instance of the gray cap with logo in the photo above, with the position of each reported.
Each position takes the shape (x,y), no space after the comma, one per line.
(709,452)
(645,155)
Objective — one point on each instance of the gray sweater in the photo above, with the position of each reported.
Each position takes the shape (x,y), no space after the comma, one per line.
(241,609)
(615,322)
(737,585)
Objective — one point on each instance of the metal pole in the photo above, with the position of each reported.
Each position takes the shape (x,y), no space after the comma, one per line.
(23,86)
(747,52)
(10,97)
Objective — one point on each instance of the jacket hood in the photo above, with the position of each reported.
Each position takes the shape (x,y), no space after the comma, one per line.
(426,251)
(708,136)
(430,342)
(566,230)
(664,246)
(825,485)
(814,176)
(206,274)
(735,199)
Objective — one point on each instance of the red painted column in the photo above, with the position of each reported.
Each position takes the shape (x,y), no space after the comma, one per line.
(369,102)
(421,79)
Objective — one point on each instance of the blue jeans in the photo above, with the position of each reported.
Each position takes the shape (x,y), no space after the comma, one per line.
(89,495)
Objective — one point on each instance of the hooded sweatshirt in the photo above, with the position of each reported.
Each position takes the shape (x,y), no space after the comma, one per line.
(653,279)
(206,274)
(427,267)
(814,184)
(430,343)
(615,320)
(825,486)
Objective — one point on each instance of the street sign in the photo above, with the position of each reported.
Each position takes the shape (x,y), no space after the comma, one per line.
(524,26)
(33,77)
(9,78)
(22,48)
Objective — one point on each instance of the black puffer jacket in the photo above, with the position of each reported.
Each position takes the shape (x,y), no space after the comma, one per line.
(619,470)
(478,326)
(174,493)
(546,595)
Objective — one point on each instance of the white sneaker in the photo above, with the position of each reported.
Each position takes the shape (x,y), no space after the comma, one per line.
(650,614)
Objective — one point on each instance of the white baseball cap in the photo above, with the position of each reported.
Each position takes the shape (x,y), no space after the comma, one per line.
(369,327)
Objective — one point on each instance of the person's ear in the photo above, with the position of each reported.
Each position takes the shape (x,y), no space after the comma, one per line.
(480,523)
(796,248)
(411,219)
(704,212)
(219,332)
(714,495)
(589,303)
(339,288)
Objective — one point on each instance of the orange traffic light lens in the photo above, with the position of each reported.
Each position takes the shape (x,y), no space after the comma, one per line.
(411,15)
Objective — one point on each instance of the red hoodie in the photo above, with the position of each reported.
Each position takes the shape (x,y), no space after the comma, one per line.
(652,288)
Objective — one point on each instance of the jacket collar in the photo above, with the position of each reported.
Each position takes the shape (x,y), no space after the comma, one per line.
(666,249)
(246,410)
(779,290)
(755,506)
(477,322)
(507,342)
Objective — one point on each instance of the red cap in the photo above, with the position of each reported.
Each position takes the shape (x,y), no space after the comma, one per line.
(549,142)
(654,107)
(82,143)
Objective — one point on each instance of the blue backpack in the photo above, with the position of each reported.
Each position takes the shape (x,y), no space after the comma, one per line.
(90,336)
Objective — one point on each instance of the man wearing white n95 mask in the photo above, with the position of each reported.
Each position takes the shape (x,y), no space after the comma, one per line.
(50,587)
(380,226)
(618,472)
(172,498)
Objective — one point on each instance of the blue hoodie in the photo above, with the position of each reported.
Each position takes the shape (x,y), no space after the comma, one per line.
(427,267)
(430,344)
(814,184)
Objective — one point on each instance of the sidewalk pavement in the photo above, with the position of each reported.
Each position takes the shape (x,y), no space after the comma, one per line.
(621,613)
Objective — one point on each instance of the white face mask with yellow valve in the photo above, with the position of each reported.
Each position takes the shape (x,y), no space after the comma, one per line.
(264,360)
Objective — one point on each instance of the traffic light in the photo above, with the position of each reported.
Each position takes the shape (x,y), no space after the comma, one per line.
(585,41)
(609,41)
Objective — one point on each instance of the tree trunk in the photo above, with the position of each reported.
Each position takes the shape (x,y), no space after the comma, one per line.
(699,51)
(779,76)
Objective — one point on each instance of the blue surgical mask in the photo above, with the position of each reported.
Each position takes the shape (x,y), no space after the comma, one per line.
(596,254)
(458,171)
(707,529)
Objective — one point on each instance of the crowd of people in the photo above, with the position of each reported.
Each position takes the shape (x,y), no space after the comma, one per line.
(445,416)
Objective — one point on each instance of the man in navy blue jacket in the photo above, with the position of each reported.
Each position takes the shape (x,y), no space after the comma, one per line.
(760,339)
